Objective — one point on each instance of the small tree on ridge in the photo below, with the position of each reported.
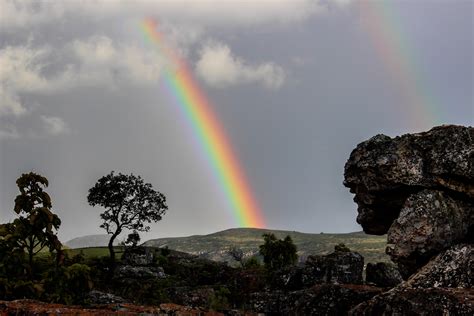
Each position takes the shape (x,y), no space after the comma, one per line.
(130,204)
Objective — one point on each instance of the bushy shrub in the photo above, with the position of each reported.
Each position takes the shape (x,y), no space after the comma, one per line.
(251,263)
(68,285)
(278,253)
(220,299)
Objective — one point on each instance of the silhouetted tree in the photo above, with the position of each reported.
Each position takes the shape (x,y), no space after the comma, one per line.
(130,204)
(278,253)
(237,254)
(34,229)
(132,239)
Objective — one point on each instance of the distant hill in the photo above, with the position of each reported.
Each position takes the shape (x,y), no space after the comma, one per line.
(215,246)
(90,241)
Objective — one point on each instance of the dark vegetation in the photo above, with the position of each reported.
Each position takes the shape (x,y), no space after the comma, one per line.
(33,263)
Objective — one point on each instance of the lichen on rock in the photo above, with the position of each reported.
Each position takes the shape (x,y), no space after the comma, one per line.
(418,188)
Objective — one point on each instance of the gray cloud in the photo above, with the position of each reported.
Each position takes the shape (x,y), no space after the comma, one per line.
(219,67)
(81,95)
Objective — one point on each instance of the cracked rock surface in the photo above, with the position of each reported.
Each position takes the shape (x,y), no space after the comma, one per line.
(417,188)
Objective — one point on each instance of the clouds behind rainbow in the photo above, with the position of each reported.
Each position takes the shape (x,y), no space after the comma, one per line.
(394,49)
(210,134)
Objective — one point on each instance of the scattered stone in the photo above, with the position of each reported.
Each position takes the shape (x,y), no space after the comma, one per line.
(382,274)
(133,272)
(95,297)
(194,297)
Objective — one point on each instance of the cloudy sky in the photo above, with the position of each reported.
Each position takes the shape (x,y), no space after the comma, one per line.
(296,84)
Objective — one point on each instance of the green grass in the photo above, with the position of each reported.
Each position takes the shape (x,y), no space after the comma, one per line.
(94,252)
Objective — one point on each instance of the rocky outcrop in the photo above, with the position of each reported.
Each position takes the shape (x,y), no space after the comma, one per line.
(325,299)
(382,274)
(417,188)
(409,301)
(339,267)
(441,287)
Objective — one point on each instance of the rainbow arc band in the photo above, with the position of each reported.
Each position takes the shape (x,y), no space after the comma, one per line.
(385,29)
(211,136)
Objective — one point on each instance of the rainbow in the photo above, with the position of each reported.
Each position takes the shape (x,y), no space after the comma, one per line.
(394,49)
(208,130)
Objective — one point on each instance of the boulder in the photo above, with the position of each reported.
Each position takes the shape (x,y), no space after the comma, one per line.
(339,267)
(429,222)
(418,188)
(382,274)
(453,268)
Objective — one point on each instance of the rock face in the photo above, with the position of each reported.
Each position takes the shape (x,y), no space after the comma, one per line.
(418,188)
(382,274)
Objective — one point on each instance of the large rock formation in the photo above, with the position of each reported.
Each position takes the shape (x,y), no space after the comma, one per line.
(417,188)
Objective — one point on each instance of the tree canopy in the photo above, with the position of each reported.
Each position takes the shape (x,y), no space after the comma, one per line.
(35,228)
(129,204)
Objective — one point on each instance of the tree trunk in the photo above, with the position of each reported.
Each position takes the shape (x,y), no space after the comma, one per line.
(111,247)
(30,256)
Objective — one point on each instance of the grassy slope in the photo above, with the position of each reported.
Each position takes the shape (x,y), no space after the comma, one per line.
(214,246)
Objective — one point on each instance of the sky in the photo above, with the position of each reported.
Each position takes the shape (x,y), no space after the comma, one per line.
(295,84)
